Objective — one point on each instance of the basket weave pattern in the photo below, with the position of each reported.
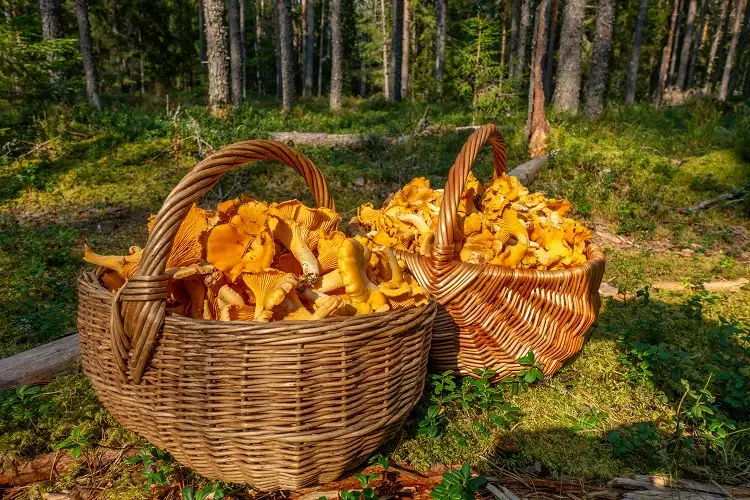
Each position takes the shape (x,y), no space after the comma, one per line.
(489,316)
(278,405)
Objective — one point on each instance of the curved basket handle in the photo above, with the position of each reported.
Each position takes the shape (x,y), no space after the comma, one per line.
(134,331)
(442,250)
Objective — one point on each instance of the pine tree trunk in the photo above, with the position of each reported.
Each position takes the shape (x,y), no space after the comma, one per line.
(202,37)
(523,31)
(504,37)
(596,85)
(662,78)
(286,54)
(515,17)
(631,79)
(362,68)
(675,47)
(715,44)
(309,47)
(697,45)
(397,39)
(568,86)
(141,62)
(243,51)
(687,42)
(537,128)
(322,46)
(218,55)
(336,47)
(89,69)
(549,57)
(235,51)
(406,32)
(120,63)
(277,47)
(51,23)
(256,45)
(441,11)
(736,80)
(724,89)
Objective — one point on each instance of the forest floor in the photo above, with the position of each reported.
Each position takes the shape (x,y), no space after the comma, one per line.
(661,386)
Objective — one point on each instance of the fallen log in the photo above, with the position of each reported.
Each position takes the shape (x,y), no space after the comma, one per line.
(40,364)
(727,286)
(732,195)
(526,172)
(319,139)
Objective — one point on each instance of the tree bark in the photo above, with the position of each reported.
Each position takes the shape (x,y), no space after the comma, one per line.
(441,11)
(724,89)
(51,23)
(568,86)
(243,49)
(662,78)
(523,31)
(256,44)
(549,63)
(89,69)
(738,73)
(286,54)
(336,47)
(537,127)
(322,46)
(235,51)
(405,41)
(596,85)
(307,89)
(631,79)
(397,39)
(715,44)
(362,68)
(687,42)
(515,17)
(202,37)
(218,55)
(675,47)
(277,47)
(697,45)
(504,37)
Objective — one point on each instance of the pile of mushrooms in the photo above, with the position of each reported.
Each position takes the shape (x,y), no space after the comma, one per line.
(251,261)
(503,225)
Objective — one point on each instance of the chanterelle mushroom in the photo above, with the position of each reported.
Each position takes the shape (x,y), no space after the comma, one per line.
(365,295)
(123,265)
(244,244)
(269,288)
(192,280)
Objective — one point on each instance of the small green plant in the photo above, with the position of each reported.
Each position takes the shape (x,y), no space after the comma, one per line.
(458,485)
(641,437)
(157,464)
(215,491)
(367,492)
(382,461)
(590,422)
(77,443)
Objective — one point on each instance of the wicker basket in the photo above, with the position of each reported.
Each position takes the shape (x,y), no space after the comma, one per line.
(277,405)
(489,316)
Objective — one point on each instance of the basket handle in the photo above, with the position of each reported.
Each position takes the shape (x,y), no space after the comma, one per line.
(442,250)
(135,329)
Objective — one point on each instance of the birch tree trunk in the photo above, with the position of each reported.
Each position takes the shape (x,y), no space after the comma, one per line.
(549,57)
(687,42)
(631,79)
(697,45)
(235,51)
(715,44)
(441,8)
(89,69)
(309,34)
(596,85)
(336,55)
(661,80)
(568,86)
(397,39)
(405,44)
(286,53)
(537,128)
(724,89)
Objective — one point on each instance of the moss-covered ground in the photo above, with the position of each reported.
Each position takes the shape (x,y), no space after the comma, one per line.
(614,409)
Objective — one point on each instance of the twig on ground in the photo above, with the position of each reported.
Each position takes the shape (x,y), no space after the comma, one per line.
(737,193)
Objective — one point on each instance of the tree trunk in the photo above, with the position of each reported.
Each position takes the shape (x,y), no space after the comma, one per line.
(218,55)
(441,11)
(549,62)
(596,85)
(662,78)
(141,62)
(515,16)
(243,51)
(687,42)
(568,86)
(89,69)
(504,37)
(235,51)
(286,54)
(523,31)
(362,68)
(256,45)
(397,41)
(307,88)
(537,128)
(631,79)
(51,23)
(697,45)
(724,89)
(277,47)
(405,41)
(202,37)
(737,79)
(675,46)
(715,44)
(336,47)
(322,46)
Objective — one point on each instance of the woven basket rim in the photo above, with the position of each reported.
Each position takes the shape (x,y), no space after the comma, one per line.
(595,257)
(91,278)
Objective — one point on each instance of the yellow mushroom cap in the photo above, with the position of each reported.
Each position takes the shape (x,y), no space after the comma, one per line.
(269,288)
(123,265)
(328,247)
(365,295)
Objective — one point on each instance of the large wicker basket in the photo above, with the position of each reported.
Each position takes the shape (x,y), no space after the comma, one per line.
(489,316)
(277,405)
